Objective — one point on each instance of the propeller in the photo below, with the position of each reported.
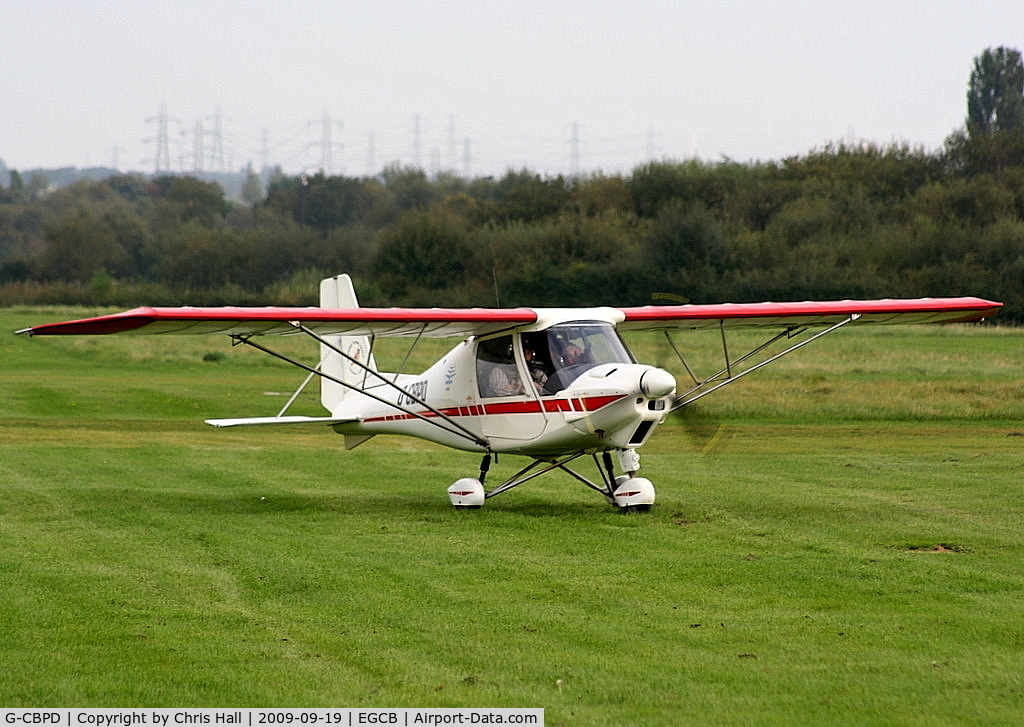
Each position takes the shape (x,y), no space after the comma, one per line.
(701,427)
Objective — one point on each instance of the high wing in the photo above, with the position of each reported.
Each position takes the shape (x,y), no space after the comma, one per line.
(808,313)
(452,322)
(794,324)
(235,321)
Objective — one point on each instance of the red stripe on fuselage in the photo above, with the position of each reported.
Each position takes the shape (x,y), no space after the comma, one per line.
(532,406)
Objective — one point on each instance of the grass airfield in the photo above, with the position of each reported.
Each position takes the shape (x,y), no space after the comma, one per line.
(838,539)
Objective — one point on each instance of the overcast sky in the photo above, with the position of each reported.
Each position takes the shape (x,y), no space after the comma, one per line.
(554,85)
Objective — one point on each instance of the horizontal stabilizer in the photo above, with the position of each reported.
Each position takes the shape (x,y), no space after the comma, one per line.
(259,421)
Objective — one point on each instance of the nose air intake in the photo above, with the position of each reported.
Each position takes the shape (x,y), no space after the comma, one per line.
(656,383)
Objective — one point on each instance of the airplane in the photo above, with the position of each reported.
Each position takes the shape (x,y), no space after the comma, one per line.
(551,384)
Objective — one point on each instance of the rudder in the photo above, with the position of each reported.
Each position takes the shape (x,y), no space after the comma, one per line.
(338,292)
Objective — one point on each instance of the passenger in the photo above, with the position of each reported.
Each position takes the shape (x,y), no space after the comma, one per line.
(504,381)
(537,371)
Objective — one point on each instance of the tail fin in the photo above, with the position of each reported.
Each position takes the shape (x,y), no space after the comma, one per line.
(338,292)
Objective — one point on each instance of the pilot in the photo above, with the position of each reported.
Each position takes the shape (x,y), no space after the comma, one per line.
(571,355)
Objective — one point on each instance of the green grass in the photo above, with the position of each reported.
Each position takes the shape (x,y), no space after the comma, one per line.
(827,548)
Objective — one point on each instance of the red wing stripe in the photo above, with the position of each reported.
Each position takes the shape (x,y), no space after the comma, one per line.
(277,320)
(922,310)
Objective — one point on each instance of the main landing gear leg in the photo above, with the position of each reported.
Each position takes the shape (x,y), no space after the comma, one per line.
(485,466)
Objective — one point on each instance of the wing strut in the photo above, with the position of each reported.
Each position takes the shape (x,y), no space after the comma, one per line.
(315,371)
(298,391)
(408,354)
(728,374)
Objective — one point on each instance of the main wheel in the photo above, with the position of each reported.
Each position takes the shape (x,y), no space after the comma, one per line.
(467,493)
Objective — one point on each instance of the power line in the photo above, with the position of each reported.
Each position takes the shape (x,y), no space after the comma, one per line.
(452,160)
(197,144)
(574,150)
(417,159)
(326,145)
(444,147)
(162,157)
(217,147)
(371,155)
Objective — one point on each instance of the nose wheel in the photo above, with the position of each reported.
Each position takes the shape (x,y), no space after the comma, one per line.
(633,494)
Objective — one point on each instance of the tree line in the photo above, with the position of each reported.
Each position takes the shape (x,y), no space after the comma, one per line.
(843,221)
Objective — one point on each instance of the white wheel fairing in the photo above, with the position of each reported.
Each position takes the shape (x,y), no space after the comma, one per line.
(466,492)
(633,492)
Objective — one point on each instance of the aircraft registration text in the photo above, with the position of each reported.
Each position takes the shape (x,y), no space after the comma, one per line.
(414,391)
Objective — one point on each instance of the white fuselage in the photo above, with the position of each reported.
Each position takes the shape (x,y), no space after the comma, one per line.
(596,406)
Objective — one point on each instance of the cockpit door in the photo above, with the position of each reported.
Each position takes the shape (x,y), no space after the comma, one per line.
(511,401)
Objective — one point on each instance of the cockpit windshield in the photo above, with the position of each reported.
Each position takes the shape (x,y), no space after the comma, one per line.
(557,356)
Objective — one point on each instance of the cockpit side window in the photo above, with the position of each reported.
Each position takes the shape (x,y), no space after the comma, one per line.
(496,370)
